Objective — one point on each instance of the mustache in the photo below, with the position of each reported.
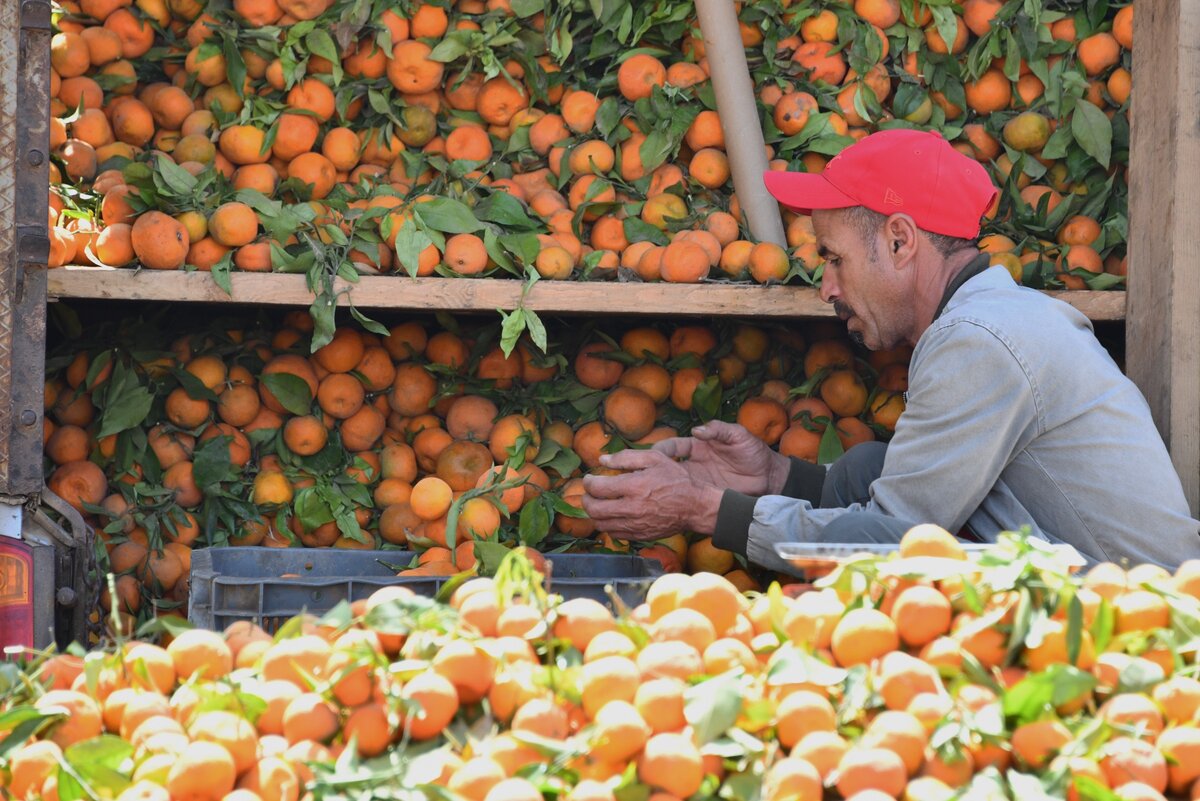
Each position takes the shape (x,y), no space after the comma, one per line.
(843,311)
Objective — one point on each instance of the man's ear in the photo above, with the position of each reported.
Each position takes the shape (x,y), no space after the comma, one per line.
(901,234)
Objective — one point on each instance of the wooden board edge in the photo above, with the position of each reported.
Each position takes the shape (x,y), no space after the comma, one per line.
(440,294)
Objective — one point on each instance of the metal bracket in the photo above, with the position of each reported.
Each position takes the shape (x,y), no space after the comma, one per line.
(35,15)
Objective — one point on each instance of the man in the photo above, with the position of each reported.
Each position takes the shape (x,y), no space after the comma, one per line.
(1015,413)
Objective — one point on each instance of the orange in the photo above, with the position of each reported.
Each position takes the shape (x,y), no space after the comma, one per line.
(672,763)
(431,497)
(200,651)
(845,393)
(310,717)
(862,635)
(305,435)
(865,769)
(159,241)
(82,722)
(1098,52)
(410,69)
(436,698)
(630,411)
(638,75)
(203,772)
(801,713)
(922,614)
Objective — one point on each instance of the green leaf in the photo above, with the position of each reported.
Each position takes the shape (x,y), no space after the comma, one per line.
(292,391)
(23,722)
(176,178)
(527,8)
(1074,629)
(405,615)
(490,555)
(97,762)
(1089,789)
(1102,626)
(504,209)
(511,328)
(448,50)
(193,386)
(210,463)
(706,398)
(1093,131)
(127,403)
(1139,676)
(608,117)
(321,43)
(448,216)
(830,449)
(655,149)
(1056,146)
(1029,698)
(638,230)
(411,241)
(713,706)
(536,329)
(220,273)
(311,509)
(792,665)
(533,525)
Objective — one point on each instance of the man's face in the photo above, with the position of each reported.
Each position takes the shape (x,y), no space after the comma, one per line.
(859,280)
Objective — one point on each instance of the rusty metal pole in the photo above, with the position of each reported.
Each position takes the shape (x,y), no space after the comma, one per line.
(55,573)
(739,118)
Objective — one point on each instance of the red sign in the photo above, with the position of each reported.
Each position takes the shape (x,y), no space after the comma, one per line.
(16,593)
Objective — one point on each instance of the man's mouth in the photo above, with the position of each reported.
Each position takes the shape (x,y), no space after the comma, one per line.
(843,311)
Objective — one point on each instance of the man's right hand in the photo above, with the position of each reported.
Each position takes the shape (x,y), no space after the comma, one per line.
(724,455)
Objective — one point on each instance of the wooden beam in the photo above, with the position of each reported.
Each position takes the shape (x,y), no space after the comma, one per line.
(442,294)
(1163,324)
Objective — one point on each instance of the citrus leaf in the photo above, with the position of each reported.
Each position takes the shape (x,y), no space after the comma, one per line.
(504,209)
(830,449)
(713,706)
(448,216)
(291,390)
(1093,131)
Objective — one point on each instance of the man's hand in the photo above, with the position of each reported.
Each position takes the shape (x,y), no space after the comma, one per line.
(727,456)
(659,498)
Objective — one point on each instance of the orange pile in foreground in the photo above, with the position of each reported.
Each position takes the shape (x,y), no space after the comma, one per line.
(999,678)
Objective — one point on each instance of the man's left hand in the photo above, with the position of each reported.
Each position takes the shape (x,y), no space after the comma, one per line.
(657,499)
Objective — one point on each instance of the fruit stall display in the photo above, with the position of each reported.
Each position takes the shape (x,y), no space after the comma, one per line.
(562,141)
(923,677)
(424,438)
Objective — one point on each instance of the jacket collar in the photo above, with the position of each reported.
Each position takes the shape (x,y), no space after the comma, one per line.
(973,268)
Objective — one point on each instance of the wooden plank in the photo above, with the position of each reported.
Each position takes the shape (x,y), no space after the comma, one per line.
(1163,324)
(441,294)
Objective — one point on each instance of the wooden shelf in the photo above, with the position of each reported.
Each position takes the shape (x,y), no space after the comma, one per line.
(441,294)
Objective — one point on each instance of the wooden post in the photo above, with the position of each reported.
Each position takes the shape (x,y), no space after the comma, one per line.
(739,118)
(1163,299)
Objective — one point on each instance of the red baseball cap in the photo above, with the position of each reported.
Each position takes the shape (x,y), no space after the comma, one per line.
(900,171)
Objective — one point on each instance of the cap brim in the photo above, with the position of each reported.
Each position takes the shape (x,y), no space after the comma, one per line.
(802,192)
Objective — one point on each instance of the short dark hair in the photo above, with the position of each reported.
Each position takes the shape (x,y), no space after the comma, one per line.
(868,222)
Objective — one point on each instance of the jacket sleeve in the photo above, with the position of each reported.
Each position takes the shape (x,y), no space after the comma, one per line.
(972,409)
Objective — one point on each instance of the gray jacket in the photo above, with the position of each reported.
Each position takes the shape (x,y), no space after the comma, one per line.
(1016,416)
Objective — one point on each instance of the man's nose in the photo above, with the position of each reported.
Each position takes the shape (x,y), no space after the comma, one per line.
(829,288)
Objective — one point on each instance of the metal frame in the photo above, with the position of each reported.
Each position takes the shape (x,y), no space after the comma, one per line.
(63,552)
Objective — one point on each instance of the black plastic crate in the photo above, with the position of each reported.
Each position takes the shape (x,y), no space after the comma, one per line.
(244,583)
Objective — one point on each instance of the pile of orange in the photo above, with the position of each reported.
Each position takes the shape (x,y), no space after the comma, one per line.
(954,680)
(227,136)
(376,441)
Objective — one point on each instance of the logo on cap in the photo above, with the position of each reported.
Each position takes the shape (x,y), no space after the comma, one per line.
(890,197)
